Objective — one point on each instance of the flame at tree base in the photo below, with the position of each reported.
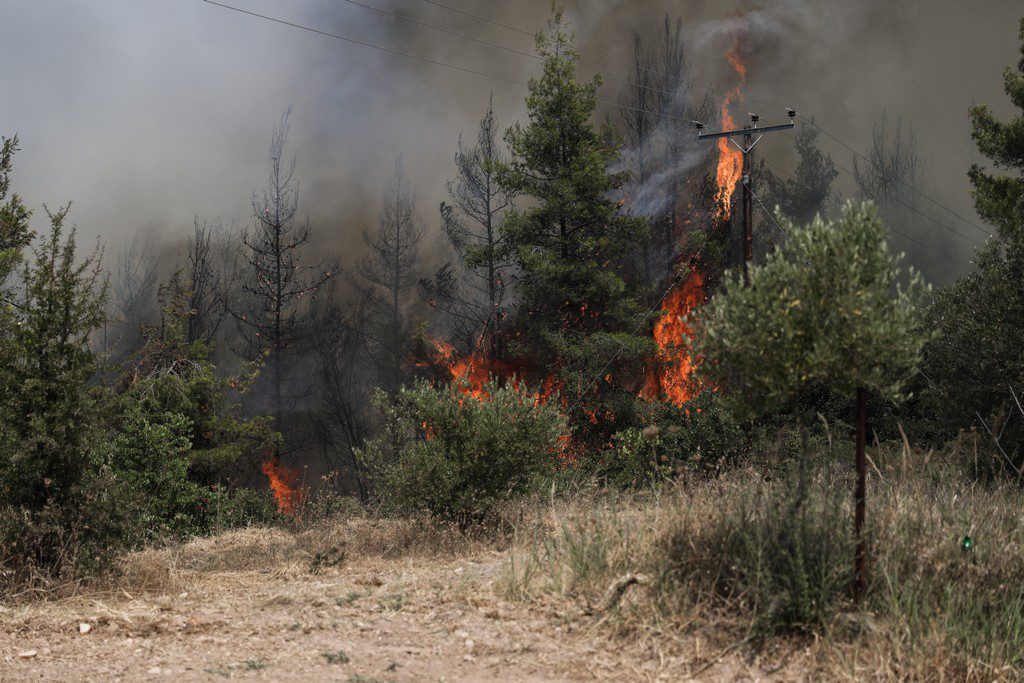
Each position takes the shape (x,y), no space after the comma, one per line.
(672,374)
(284,483)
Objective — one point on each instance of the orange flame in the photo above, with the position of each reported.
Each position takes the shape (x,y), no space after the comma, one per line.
(284,482)
(730,159)
(471,373)
(672,373)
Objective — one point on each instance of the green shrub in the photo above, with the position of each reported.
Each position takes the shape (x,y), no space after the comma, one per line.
(65,541)
(149,456)
(698,435)
(456,457)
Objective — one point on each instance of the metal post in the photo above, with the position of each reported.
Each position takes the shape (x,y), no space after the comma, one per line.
(860,581)
(748,210)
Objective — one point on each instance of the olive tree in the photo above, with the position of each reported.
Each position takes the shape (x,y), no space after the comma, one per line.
(831,305)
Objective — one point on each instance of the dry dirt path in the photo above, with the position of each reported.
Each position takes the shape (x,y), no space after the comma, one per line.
(406,619)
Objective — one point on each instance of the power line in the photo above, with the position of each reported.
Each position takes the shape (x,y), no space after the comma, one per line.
(427,60)
(900,180)
(891,229)
(712,90)
(360,42)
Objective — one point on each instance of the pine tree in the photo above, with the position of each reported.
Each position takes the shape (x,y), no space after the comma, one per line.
(46,407)
(273,316)
(999,199)
(809,192)
(388,275)
(474,293)
(575,311)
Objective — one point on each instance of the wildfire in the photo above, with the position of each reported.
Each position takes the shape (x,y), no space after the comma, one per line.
(471,373)
(672,374)
(284,482)
(730,159)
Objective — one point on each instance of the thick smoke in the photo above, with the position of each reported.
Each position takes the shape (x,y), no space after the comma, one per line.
(154,112)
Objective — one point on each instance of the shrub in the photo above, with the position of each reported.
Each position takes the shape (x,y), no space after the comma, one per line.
(65,540)
(698,435)
(455,457)
(149,456)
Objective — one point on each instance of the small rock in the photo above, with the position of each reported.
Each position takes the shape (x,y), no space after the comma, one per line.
(84,628)
(27,654)
(154,671)
(470,644)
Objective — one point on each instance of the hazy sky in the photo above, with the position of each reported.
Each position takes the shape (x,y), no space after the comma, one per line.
(152,111)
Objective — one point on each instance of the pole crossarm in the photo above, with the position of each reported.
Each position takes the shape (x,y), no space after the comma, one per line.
(745,131)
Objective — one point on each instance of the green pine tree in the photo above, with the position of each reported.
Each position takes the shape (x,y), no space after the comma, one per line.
(48,410)
(574,310)
(999,199)
(14,231)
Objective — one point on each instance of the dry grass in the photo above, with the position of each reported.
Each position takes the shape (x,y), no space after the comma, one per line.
(739,563)
(703,570)
(329,543)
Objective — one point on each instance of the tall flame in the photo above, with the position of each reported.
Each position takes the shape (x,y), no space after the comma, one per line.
(730,159)
(672,373)
(284,482)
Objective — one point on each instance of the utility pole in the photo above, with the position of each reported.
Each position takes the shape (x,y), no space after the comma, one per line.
(749,141)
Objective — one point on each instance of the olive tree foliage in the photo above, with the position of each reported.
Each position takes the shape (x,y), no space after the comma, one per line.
(830,305)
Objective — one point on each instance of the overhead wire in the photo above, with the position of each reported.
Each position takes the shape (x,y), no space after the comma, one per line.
(712,90)
(888,227)
(427,60)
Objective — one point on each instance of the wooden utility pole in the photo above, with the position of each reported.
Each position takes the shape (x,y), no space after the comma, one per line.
(749,141)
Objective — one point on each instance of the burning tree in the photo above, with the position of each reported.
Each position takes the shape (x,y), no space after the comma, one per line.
(574,309)
(827,307)
(273,314)
(657,103)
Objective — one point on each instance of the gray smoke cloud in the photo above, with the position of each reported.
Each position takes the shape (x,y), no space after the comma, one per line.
(149,112)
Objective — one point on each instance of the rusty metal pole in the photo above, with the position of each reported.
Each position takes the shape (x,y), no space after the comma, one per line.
(860,581)
(748,210)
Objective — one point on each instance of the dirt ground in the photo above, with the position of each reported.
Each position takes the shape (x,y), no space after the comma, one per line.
(366,619)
